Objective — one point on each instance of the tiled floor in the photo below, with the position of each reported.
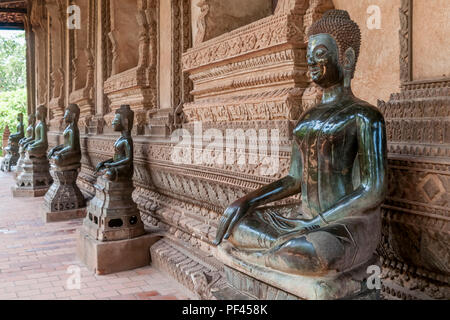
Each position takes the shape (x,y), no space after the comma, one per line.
(38,260)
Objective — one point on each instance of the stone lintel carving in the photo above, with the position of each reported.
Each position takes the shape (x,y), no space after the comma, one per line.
(268,32)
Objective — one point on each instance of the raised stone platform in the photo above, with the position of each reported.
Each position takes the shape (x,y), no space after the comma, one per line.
(58,216)
(106,257)
(27,192)
(245,278)
(35,180)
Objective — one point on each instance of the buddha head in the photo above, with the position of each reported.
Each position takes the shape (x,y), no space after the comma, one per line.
(123,120)
(31,119)
(72,114)
(333,48)
(20,117)
(41,113)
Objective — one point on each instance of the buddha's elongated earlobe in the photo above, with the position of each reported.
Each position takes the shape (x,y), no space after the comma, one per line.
(349,66)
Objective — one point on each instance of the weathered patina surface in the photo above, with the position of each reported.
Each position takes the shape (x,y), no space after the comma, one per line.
(12,149)
(64,200)
(338,165)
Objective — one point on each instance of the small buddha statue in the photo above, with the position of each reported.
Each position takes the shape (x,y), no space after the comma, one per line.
(29,135)
(338,165)
(112,214)
(64,200)
(24,142)
(12,149)
(120,167)
(14,139)
(34,178)
(69,153)
(38,148)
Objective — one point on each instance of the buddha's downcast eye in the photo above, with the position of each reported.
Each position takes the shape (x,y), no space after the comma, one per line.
(320,52)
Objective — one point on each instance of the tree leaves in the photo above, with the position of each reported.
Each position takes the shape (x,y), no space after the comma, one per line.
(12,62)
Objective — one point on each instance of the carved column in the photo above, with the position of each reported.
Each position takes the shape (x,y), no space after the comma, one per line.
(82,63)
(56,26)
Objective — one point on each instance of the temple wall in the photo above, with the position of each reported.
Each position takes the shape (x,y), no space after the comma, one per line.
(179,67)
(430,39)
(378,66)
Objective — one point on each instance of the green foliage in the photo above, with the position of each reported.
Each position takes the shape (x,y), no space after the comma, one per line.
(11,104)
(13,93)
(12,62)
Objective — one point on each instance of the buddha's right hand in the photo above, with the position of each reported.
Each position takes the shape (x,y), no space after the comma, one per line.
(99,166)
(231,216)
(50,153)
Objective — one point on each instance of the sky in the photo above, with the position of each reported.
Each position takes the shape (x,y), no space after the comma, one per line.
(10,33)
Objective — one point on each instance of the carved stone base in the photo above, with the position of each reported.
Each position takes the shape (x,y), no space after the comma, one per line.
(261,282)
(35,180)
(242,285)
(106,257)
(64,196)
(57,216)
(112,213)
(198,272)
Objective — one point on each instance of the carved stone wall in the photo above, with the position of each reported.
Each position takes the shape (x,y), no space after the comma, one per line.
(416,229)
(250,79)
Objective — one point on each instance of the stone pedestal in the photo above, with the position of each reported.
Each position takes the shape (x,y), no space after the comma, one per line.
(35,180)
(256,282)
(112,237)
(64,200)
(106,257)
(20,162)
(11,157)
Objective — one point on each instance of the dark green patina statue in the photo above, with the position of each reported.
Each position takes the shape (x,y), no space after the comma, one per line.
(15,138)
(68,153)
(120,167)
(29,135)
(112,214)
(38,148)
(338,164)
(24,142)
(12,150)
(64,200)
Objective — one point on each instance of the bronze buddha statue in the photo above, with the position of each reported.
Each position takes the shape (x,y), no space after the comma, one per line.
(29,135)
(15,138)
(25,142)
(120,167)
(12,149)
(338,164)
(34,177)
(64,200)
(69,153)
(38,148)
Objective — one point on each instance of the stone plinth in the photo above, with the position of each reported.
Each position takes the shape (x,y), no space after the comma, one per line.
(20,162)
(112,237)
(35,180)
(112,213)
(105,257)
(258,282)
(64,200)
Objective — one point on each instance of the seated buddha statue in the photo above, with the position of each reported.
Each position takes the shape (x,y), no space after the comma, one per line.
(69,153)
(338,165)
(13,140)
(120,167)
(38,148)
(29,135)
